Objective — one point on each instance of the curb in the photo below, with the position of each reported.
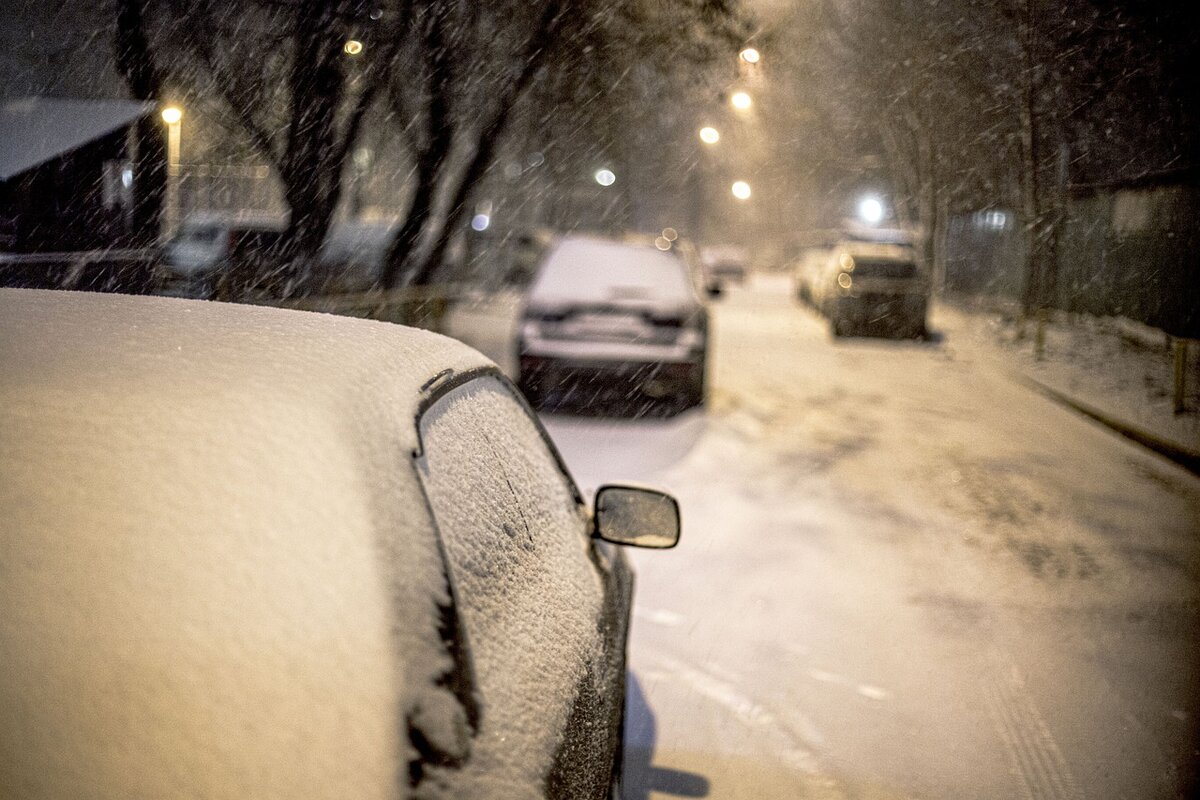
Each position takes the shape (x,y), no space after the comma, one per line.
(1185,457)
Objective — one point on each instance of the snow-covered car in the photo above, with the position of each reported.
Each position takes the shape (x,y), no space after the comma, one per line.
(250,552)
(863,286)
(610,319)
(725,262)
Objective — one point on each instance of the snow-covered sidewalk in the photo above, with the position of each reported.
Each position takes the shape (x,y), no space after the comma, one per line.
(1119,369)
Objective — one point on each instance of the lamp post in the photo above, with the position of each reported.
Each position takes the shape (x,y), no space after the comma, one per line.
(173,116)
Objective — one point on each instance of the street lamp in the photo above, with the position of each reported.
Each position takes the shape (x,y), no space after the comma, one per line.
(750,55)
(709,135)
(741,190)
(352,47)
(605,177)
(870,210)
(173,116)
(741,101)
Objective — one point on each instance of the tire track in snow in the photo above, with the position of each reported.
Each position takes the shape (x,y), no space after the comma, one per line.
(791,744)
(1036,761)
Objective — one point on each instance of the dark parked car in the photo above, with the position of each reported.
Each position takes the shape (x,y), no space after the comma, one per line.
(868,286)
(221,256)
(250,552)
(609,319)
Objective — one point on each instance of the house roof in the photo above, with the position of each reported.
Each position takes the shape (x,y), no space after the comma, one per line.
(34,130)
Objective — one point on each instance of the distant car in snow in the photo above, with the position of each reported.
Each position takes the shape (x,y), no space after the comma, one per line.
(869,286)
(269,553)
(607,319)
(725,263)
(807,269)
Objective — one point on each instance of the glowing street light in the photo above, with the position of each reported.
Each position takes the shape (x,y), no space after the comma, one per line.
(352,47)
(870,210)
(173,116)
(750,55)
(741,190)
(709,135)
(741,101)
(605,177)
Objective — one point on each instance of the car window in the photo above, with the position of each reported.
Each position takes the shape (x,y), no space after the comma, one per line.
(515,538)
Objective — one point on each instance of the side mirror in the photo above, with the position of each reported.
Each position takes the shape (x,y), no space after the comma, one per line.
(635,516)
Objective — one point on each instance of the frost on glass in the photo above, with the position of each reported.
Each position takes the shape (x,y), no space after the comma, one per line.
(529,596)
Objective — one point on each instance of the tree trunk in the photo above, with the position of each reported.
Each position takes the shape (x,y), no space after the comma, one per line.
(431,159)
(538,45)
(136,64)
(904,174)
(312,167)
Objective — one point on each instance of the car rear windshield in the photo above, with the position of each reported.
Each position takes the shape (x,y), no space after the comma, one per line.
(593,271)
(885,269)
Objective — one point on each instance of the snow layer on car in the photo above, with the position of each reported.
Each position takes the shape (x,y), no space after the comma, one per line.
(596,271)
(530,595)
(218,577)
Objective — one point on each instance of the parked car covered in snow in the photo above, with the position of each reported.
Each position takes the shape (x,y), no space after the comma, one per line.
(251,552)
(868,286)
(807,270)
(611,319)
(725,262)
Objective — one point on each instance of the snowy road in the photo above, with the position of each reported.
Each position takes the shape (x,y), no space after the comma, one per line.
(902,576)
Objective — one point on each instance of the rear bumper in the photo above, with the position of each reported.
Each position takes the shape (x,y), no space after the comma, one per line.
(880,309)
(563,380)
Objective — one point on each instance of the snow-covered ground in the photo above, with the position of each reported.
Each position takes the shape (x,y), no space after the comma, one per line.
(902,574)
(1121,368)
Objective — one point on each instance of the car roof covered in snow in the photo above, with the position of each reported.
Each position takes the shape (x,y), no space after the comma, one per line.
(179,352)
(220,577)
(588,269)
